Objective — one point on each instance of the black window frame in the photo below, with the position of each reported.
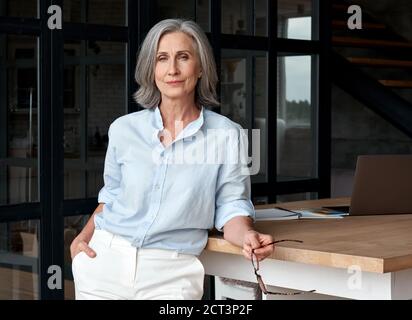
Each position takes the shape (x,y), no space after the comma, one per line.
(52,208)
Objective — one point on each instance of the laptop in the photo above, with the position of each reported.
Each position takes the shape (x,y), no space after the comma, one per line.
(382,185)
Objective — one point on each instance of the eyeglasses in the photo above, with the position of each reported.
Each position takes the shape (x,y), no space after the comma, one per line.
(255,263)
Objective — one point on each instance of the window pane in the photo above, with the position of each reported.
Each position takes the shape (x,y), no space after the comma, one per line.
(72,227)
(296,118)
(18,119)
(261,21)
(109,12)
(95,90)
(197,10)
(296,197)
(260,200)
(73,10)
(19,260)
(295,19)
(244,99)
(19,8)
(203,14)
(237,17)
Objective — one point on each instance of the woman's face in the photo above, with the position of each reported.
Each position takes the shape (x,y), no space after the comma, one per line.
(177,66)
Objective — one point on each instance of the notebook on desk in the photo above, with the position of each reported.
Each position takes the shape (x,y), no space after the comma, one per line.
(279,213)
(382,185)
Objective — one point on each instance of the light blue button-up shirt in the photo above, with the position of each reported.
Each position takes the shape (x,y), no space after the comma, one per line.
(155,202)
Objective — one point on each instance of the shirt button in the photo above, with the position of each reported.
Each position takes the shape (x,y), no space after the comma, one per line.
(157,187)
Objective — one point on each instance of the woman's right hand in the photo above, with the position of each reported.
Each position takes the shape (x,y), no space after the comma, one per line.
(80,243)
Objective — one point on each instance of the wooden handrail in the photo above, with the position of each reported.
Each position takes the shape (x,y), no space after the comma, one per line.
(366,25)
(337,6)
(397,83)
(359,42)
(380,62)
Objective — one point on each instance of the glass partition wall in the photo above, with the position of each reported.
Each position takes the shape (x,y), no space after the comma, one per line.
(61,89)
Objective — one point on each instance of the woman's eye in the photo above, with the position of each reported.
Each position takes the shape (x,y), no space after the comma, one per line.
(184,57)
(161,58)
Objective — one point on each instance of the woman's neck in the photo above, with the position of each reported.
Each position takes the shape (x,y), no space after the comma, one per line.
(178,110)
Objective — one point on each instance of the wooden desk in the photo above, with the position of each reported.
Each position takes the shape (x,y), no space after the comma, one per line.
(363,257)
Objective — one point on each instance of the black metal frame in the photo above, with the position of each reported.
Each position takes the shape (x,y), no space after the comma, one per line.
(52,208)
(324,99)
(269,189)
(279,46)
(45,159)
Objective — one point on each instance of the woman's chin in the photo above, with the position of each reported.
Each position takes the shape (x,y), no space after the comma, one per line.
(175,94)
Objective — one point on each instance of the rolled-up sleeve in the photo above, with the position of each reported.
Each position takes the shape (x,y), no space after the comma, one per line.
(233,189)
(111,173)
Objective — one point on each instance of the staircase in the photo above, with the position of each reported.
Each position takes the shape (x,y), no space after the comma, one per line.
(374,64)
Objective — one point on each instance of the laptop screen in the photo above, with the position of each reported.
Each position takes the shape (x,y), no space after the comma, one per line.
(382,185)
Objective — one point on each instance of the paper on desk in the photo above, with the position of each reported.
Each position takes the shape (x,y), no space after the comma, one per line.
(275,214)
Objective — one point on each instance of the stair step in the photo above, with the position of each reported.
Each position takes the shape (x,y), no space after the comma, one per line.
(337,6)
(359,42)
(380,62)
(397,83)
(365,25)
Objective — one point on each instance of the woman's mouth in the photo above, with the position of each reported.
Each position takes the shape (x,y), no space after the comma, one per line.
(174,82)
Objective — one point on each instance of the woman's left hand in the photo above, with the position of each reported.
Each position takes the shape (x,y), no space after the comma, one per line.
(259,242)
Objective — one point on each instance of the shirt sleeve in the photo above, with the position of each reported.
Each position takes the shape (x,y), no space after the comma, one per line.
(233,185)
(111,173)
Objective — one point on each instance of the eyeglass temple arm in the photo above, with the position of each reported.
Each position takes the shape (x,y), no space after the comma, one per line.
(283,240)
(277,241)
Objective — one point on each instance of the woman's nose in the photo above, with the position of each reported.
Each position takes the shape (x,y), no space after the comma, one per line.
(173,68)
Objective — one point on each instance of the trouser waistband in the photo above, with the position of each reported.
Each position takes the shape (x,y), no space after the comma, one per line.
(109,239)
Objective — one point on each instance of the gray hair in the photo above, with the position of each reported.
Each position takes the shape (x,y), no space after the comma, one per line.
(148,94)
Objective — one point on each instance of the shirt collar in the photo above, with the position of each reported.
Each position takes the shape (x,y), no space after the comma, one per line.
(189,130)
(158,121)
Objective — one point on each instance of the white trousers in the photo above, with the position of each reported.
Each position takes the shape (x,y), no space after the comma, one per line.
(121,271)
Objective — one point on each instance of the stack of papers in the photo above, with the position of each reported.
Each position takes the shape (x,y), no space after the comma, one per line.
(275,214)
(284,214)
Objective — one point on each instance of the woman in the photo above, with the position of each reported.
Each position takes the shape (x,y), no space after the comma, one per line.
(154,214)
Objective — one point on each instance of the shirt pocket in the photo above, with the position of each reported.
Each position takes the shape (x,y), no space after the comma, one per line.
(137,174)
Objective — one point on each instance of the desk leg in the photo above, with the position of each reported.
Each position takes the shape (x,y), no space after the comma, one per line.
(401,285)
